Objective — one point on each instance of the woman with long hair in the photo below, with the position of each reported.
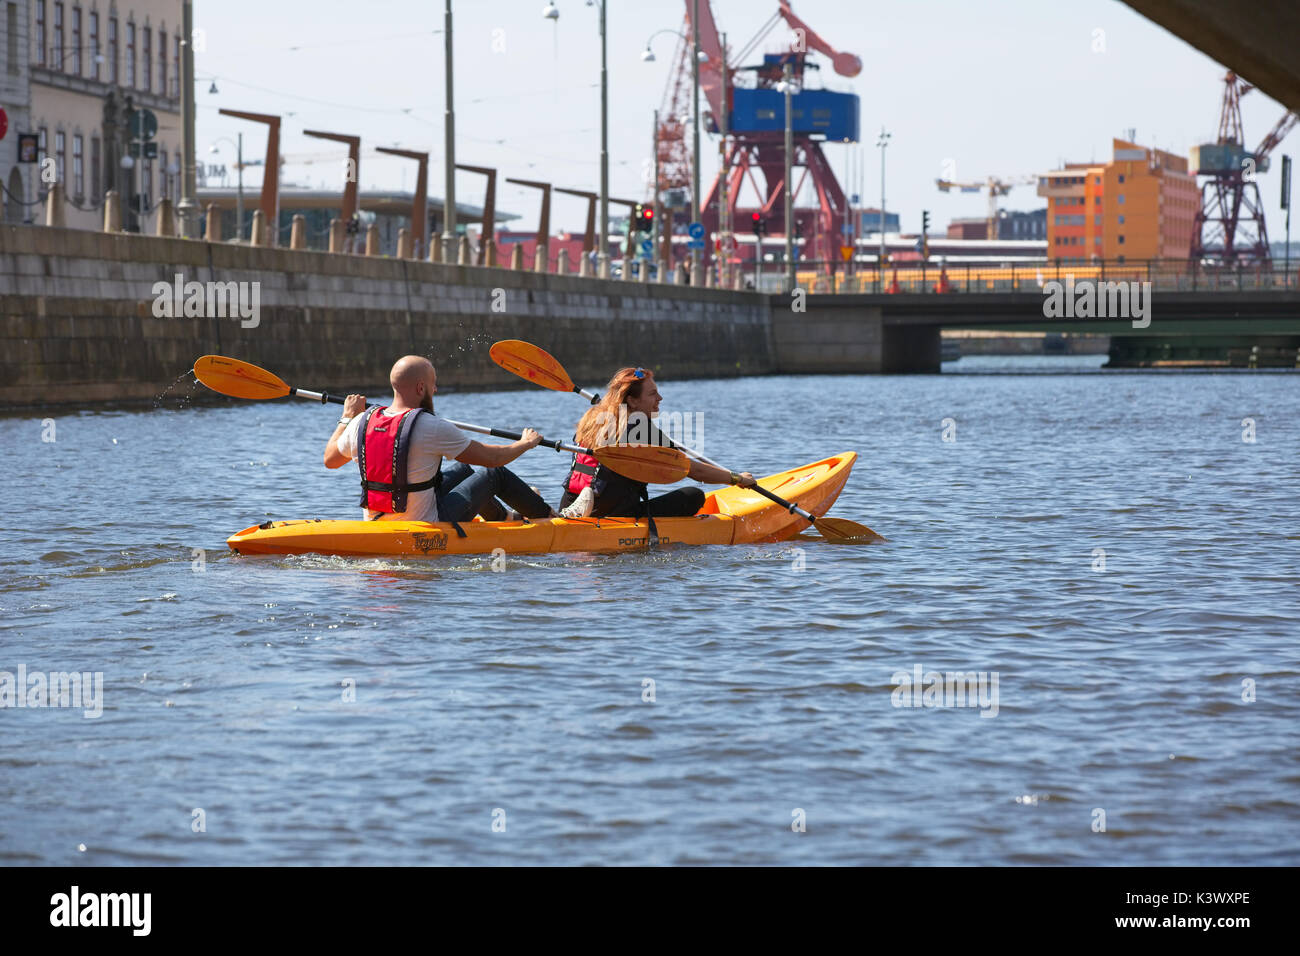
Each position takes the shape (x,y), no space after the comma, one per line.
(624,414)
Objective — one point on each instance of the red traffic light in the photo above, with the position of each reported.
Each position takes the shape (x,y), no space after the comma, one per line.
(648,212)
(755,216)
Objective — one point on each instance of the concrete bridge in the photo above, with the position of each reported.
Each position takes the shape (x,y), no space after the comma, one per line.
(901,333)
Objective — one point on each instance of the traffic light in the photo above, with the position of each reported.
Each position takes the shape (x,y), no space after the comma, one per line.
(646,218)
(925,234)
(757,220)
(925,221)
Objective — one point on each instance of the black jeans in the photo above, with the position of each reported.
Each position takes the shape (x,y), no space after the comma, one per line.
(465,493)
(681,503)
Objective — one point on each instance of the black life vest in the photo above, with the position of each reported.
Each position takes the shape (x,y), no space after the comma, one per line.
(383,446)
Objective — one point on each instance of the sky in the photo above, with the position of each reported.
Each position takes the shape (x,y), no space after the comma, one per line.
(977,87)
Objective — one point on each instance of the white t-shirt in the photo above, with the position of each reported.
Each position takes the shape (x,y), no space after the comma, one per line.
(431,439)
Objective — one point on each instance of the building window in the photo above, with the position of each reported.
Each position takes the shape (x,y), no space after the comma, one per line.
(146,183)
(11,37)
(162,63)
(130,55)
(1096,220)
(58,37)
(60,156)
(176,66)
(146,60)
(42,144)
(162,170)
(94,168)
(1096,240)
(78,168)
(40,32)
(76,41)
(94,44)
(112,50)
(1121,240)
(1096,200)
(1121,179)
(1097,180)
(1121,219)
(1121,199)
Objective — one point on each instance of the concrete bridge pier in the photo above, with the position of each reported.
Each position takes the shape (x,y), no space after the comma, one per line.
(849,341)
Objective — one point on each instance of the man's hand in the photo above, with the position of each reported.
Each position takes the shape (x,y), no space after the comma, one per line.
(353,406)
(747,480)
(529,440)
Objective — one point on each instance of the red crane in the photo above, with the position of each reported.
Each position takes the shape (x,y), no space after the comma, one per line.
(755,143)
(1229,228)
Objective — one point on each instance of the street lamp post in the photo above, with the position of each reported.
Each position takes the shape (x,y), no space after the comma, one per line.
(602,257)
(239,195)
(187,208)
(697,255)
(724,203)
(882,141)
(552,12)
(787,83)
(449,149)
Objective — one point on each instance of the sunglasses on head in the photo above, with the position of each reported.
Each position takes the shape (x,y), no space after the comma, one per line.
(638,373)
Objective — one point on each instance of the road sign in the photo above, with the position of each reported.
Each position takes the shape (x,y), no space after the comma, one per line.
(854,199)
(847,229)
(143,124)
(647,246)
(846,253)
(695,230)
(150,150)
(695,243)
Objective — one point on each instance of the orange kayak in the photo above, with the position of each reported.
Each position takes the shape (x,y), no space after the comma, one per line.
(729,516)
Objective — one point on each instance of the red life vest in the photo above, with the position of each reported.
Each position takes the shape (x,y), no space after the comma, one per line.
(581,473)
(382,451)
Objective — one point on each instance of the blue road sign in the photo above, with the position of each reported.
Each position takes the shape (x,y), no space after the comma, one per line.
(695,243)
(696,231)
(647,246)
(846,229)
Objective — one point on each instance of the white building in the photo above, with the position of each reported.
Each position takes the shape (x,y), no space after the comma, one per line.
(16,179)
(91,62)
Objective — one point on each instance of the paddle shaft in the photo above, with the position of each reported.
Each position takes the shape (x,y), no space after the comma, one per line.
(324,397)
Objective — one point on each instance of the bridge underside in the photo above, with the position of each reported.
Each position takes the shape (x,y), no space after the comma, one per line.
(901,333)
(1259,40)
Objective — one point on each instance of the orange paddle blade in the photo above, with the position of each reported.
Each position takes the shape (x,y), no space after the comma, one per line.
(531,363)
(652,464)
(238,379)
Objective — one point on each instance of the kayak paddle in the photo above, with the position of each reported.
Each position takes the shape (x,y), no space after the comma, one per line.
(653,464)
(535,364)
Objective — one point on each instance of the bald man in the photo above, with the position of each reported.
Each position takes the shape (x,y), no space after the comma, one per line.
(399,449)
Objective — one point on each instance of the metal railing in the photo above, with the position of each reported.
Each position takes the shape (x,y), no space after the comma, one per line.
(1165,275)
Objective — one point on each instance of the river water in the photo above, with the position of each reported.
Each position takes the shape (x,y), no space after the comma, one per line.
(1106,544)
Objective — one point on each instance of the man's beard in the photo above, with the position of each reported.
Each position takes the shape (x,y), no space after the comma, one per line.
(427,403)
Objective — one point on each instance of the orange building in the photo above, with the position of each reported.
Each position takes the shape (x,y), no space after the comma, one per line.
(1140,205)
